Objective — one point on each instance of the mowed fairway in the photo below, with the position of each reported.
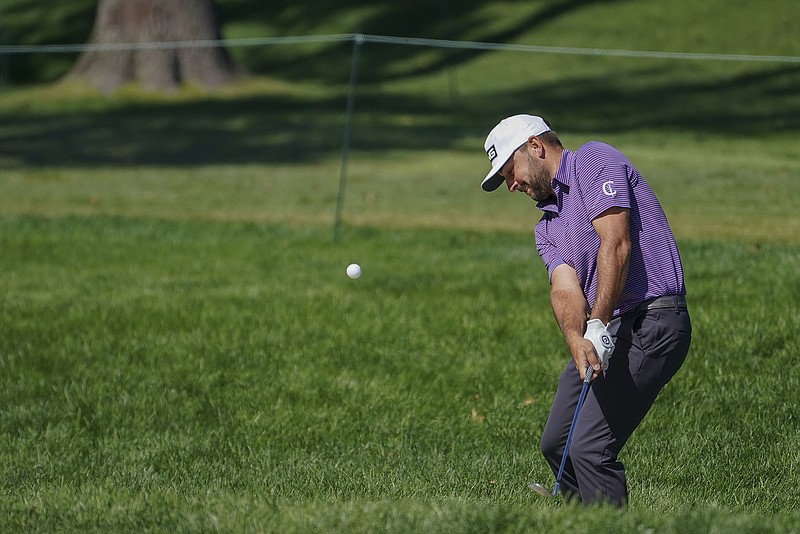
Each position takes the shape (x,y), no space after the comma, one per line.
(182,351)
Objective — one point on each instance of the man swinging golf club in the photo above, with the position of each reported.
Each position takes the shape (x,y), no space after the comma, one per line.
(616,289)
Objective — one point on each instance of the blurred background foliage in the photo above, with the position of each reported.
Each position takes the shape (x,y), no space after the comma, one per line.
(713,26)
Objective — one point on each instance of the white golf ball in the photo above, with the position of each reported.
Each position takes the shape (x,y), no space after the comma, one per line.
(354,270)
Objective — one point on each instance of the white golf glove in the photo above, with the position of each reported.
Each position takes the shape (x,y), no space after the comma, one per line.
(598,334)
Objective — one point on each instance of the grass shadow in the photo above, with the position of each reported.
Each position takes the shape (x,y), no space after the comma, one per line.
(289,128)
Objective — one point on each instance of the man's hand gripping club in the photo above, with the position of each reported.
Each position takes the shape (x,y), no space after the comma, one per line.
(593,349)
(598,334)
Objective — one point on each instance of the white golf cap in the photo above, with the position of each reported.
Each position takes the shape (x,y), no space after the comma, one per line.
(504,139)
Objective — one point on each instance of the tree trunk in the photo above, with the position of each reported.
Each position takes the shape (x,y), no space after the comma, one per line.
(163,68)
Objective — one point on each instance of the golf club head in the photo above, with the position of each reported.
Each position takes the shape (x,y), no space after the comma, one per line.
(541,490)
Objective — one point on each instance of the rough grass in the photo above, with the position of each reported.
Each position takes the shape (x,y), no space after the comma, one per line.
(182,351)
(179,375)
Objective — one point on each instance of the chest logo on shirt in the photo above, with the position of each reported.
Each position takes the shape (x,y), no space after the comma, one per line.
(608,189)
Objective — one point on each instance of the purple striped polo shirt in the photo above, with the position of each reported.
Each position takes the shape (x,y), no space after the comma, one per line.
(589,181)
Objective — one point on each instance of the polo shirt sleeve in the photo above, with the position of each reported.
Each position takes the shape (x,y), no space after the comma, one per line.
(604,178)
(547,250)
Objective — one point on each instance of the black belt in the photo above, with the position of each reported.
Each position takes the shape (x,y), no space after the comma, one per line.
(659,303)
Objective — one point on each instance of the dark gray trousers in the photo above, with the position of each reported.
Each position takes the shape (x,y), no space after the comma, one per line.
(650,348)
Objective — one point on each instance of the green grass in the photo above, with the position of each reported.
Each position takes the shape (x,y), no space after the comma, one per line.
(180,375)
(710,188)
(182,351)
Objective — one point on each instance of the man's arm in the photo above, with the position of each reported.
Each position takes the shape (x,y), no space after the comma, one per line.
(570,307)
(566,295)
(612,261)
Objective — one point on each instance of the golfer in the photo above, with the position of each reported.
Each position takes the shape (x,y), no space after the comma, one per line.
(616,289)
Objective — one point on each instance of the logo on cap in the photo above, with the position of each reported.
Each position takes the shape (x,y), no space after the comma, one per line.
(492,153)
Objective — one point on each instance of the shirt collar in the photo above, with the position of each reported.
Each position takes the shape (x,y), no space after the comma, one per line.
(561,182)
(562,174)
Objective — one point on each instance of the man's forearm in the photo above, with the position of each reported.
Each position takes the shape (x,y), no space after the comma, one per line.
(612,272)
(569,309)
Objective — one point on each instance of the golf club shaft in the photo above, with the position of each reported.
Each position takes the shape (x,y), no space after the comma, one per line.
(587,378)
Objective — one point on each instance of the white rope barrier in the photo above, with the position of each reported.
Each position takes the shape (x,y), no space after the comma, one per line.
(384,39)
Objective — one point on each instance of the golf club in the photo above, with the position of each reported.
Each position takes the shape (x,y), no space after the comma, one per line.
(538,488)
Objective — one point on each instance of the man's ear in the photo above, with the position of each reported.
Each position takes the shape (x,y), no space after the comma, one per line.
(537,146)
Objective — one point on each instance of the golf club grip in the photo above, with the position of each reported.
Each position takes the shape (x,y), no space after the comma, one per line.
(588,376)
